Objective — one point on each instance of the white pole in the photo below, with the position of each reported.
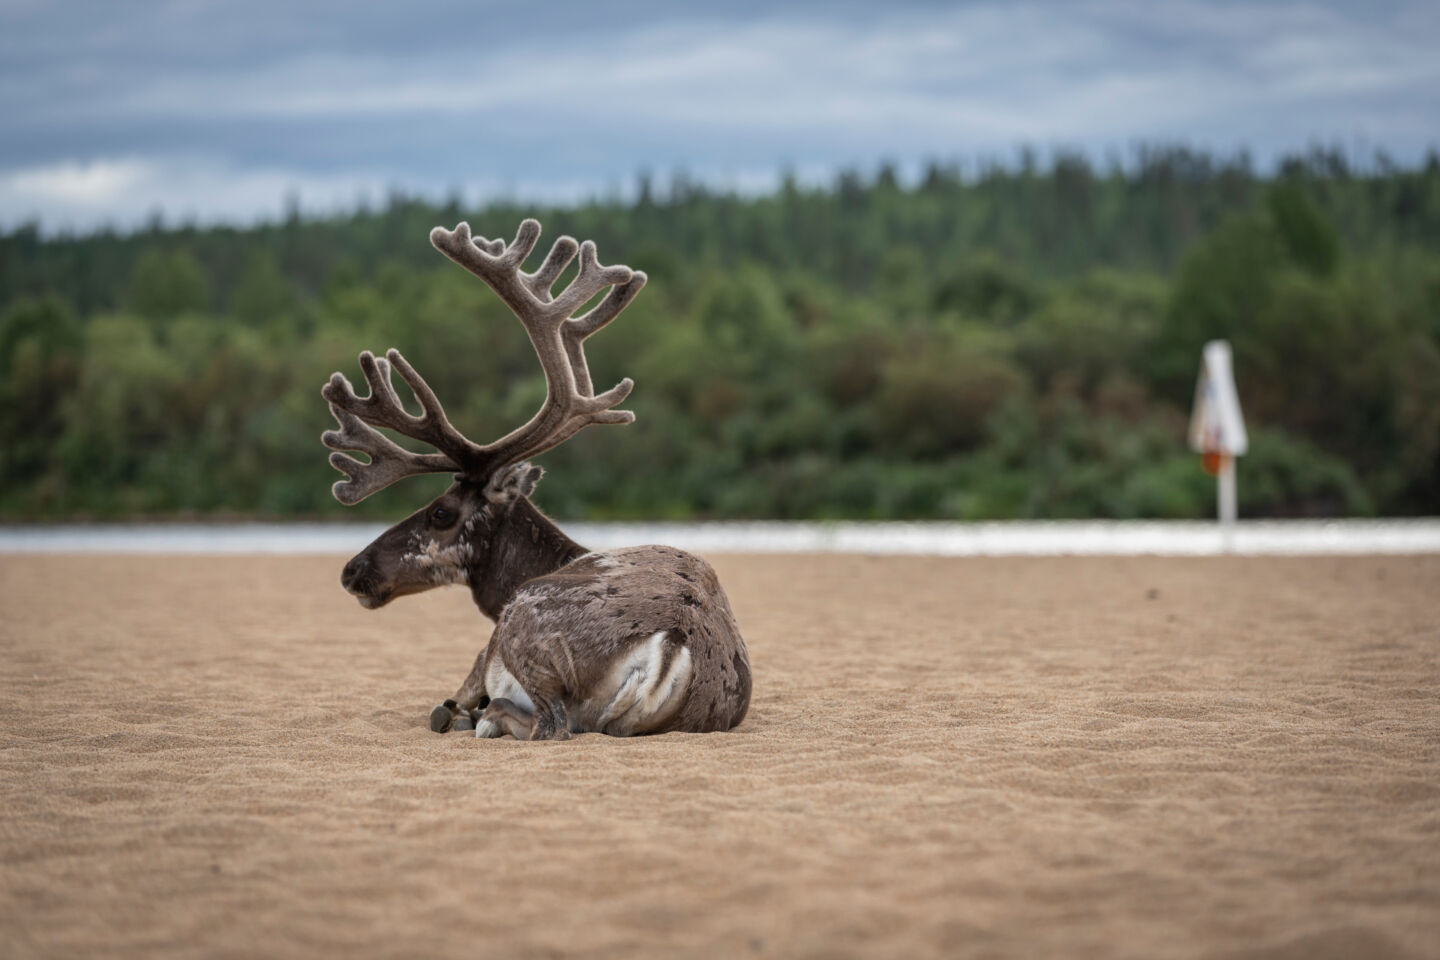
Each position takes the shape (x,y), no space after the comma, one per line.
(1226,481)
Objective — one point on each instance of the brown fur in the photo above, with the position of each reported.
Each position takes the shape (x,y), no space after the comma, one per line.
(563,630)
(640,640)
(565,616)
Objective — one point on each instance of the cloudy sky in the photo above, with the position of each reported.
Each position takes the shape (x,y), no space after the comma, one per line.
(219,111)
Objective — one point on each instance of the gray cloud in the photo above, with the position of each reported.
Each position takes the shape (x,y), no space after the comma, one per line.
(217,110)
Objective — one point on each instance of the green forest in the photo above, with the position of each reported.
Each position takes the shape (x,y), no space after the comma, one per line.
(1013,341)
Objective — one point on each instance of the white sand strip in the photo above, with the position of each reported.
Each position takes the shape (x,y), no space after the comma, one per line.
(1013,538)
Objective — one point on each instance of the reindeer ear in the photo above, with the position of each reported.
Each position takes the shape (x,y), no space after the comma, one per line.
(512,483)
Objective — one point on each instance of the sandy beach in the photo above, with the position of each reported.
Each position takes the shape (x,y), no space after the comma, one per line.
(1104,757)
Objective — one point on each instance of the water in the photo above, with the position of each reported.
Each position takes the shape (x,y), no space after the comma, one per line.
(1015,538)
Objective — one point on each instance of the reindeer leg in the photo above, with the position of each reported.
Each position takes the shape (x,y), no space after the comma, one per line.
(505,716)
(551,723)
(457,713)
(541,670)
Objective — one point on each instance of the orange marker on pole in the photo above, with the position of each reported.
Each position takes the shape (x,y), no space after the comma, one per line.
(1217,429)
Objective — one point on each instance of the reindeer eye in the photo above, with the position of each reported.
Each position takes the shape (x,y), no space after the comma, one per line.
(441,517)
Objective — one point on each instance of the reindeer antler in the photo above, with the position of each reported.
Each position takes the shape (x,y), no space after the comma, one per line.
(388,461)
(558,338)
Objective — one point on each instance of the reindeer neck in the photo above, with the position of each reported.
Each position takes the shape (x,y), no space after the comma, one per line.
(526,544)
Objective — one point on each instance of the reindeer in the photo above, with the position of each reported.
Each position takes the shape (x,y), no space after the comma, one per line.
(632,641)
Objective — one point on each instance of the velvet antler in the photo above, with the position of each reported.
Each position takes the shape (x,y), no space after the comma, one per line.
(557,336)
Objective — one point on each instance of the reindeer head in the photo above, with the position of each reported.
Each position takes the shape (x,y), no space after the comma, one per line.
(443,542)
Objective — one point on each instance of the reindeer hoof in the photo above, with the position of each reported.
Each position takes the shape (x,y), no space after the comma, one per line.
(463,721)
(487,729)
(441,718)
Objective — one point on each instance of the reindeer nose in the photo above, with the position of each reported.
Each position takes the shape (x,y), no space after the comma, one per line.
(354,570)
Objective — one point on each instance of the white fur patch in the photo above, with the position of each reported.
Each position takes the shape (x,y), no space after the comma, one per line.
(441,565)
(500,684)
(487,729)
(645,693)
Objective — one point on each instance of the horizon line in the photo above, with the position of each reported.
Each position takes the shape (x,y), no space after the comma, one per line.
(683,181)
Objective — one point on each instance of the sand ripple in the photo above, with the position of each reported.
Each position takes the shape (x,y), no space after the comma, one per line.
(1121,757)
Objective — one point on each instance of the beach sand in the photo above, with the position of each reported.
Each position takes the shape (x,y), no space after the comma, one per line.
(1125,757)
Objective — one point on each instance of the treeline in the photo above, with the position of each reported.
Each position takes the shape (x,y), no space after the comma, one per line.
(1020,342)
